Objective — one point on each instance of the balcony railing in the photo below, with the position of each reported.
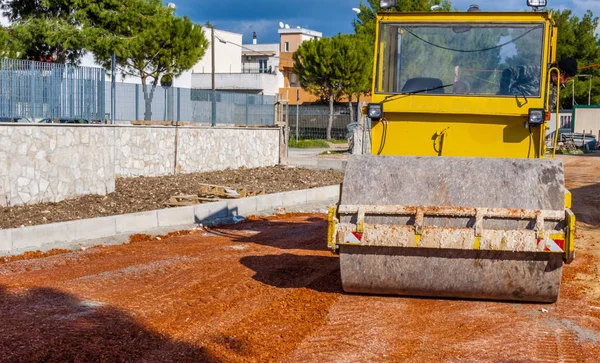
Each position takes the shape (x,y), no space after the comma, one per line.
(257,69)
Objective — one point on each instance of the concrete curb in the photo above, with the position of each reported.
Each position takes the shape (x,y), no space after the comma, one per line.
(316,163)
(118,228)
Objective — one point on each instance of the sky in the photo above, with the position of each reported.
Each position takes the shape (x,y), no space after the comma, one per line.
(327,16)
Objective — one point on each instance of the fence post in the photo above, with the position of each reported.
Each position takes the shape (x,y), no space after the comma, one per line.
(113,88)
(32,104)
(137,101)
(213,120)
(178,104)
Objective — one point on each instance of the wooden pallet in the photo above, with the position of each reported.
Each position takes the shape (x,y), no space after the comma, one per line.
(213,193)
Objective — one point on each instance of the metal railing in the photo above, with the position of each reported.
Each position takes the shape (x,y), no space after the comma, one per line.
(37,90)
(310,122)
(192,105)
(257,69)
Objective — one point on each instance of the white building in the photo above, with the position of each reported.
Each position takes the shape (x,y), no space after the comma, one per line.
(228,52)
(247,68)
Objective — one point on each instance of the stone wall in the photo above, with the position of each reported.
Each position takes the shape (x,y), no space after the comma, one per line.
(50,163)
(144,151)
(218,149)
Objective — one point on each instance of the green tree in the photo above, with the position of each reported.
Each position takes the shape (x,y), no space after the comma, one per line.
(352,66)
(314,64)
(46,30)
(577,38)
(149,41)
(365,21)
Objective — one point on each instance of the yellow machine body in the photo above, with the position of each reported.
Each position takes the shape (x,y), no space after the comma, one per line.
(461,125)
(448,203)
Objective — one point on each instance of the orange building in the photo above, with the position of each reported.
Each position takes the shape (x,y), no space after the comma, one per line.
(289,42)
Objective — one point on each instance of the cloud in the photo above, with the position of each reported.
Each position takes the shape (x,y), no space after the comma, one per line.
(262,27)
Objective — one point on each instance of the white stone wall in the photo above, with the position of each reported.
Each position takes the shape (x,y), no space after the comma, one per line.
(50,163)
(144,151)
(206,149)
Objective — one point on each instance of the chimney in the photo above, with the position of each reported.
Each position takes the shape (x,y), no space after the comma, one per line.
(254,38)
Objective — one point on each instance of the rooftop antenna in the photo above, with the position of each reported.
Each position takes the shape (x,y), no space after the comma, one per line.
(287,26)
(281,24)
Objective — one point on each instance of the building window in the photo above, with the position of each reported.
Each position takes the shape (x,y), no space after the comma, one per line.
(286,46)
(294,81)
(262,66)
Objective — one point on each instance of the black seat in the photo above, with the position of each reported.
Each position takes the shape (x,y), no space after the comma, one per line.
(421,83)
(505,82)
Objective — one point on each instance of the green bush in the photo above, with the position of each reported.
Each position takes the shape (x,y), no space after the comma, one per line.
(308,144)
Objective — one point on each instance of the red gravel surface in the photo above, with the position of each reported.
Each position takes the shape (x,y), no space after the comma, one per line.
(268,290)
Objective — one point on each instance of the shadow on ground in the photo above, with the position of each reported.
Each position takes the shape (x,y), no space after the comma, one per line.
(308,234)
(285,271)
(46,325)
(586,204)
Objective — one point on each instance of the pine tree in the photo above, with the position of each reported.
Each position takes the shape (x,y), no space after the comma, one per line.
(314,65)
(149,41)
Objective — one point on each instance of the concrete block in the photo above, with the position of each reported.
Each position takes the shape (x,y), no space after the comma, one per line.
(5,240)
(209,211)
(35,237)
(136,222)
(269,201)
(103,227)
(323,194)
(176,216)
(293,198)
(242,207)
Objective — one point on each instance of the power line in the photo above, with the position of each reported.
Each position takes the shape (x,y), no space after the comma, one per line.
(252,50)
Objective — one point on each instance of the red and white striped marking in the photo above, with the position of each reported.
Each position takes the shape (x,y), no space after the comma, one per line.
(354,238)
(549,245)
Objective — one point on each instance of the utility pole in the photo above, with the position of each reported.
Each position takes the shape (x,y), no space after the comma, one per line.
(573,93)
(590,92)
(213,121)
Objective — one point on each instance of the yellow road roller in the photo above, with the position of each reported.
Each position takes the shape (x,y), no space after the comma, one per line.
(460,197)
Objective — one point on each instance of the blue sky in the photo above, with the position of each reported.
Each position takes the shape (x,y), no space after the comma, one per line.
(327,16)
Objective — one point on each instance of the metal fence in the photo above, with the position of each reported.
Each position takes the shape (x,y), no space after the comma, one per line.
(37,90)
(310,122)
(191,105)
(40,90)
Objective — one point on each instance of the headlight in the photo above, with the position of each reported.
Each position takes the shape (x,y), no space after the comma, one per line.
(387,4)
(537,3)
(375,111)
(537,116)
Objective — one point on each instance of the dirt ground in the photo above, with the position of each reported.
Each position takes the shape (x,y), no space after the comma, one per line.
(143,194)
(268,290)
